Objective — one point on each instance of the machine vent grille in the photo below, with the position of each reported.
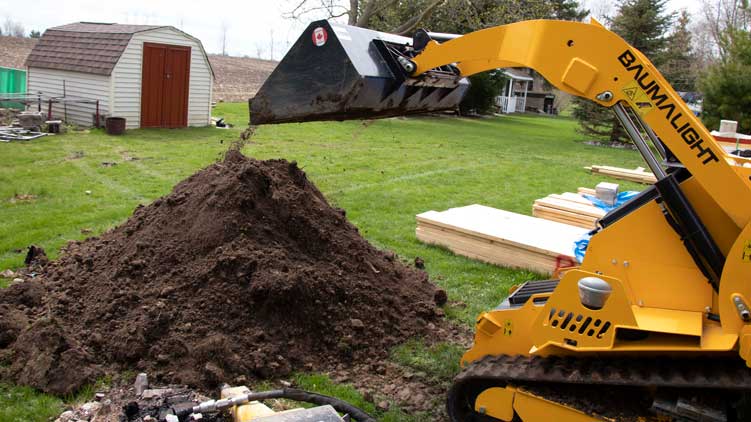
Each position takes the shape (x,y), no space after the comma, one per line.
(578,323)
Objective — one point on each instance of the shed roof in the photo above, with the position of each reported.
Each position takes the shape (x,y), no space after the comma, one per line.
(85,47)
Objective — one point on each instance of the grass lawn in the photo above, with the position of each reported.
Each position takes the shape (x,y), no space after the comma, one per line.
(382,172)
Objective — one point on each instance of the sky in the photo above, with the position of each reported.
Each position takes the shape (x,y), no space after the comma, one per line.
(254,28)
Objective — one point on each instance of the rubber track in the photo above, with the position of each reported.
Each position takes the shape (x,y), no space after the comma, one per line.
(665,372)
(593,373)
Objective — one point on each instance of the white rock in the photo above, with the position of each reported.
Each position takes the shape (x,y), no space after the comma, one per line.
(8,274)
(156,393)
(142,383)
(66,416)
(91,408)
(88,192)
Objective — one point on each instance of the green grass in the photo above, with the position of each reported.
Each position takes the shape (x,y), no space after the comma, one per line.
(24,404)
(383,173)
(437,362)
(322,384)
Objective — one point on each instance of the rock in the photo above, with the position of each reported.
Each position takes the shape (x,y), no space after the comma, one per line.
(383,406)
(16,281)
(88,192)
(404,394)
(8,274)
(142,383)
(156,393)
(357,323)
(440,297)
(66,416)
(368,396)
(99,396)
(131,409)
(285,384)
(90,408)
(419,263)
(148,418)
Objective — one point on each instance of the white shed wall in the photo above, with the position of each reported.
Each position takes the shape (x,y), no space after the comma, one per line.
(80,85)
(126,78)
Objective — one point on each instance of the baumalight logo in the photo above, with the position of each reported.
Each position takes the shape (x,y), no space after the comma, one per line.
(660,100)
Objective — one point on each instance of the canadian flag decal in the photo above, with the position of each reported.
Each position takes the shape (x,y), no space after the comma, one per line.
(320,36)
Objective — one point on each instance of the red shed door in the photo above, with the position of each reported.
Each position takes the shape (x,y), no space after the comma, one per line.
(164,85)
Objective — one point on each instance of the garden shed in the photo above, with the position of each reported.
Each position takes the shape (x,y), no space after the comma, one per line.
(153,76)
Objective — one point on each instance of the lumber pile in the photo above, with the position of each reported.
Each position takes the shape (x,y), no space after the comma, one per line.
(569,208)
(501,237)
(638,174)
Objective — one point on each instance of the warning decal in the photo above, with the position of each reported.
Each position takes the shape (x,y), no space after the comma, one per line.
(747,252)
(507,327)
(639,100)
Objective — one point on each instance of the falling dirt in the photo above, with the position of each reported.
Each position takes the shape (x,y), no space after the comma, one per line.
(244,269)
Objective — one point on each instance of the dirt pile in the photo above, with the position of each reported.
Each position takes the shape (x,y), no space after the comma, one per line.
(244,269)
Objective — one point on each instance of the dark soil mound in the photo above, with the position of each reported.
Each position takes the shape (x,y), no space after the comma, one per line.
(243,269)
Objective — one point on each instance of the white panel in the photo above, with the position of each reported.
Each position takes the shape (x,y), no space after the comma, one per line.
(127,78)
(80,85)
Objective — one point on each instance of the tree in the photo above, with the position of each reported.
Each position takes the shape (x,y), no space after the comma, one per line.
(13,28)
(362,12)
(724,19)
(643,24)
(726,83)
(35,34)
(679,61)
(224,28)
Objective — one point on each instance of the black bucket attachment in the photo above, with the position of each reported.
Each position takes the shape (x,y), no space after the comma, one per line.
(340,72)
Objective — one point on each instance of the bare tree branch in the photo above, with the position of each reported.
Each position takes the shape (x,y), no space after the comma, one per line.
(410,25)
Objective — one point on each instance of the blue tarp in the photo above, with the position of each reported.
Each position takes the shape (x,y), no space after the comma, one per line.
(621,199)
(580,246)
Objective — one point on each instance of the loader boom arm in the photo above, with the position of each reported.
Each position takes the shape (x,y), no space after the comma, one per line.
(592,62)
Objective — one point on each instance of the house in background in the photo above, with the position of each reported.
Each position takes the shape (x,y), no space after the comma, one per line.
(153,76)
(525,90)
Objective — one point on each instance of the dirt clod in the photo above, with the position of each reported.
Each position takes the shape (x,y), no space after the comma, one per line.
(244,269)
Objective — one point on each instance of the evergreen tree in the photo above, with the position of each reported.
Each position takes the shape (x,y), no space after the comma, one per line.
(726,84)
(35,34)
(678,61)
(643,24)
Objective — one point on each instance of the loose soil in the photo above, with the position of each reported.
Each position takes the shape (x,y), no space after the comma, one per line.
(244,269)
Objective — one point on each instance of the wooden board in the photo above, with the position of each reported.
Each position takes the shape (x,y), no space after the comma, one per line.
(572,207)
(501,237)
(635,175)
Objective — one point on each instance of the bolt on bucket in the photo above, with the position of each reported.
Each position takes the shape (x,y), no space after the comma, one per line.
(341,72)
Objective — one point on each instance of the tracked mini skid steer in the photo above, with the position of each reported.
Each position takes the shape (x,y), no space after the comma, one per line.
(655,322)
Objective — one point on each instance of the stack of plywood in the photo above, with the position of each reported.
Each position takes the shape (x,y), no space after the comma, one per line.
(501,237)
(569,208)
(638,174)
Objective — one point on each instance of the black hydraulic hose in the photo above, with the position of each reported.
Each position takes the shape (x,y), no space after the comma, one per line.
(315,398)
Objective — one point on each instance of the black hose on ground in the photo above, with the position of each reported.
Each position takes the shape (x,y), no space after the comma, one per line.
(314,398)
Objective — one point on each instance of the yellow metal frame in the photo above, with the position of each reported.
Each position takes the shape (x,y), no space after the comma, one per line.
(504,403)
(587,60)
(657,287)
